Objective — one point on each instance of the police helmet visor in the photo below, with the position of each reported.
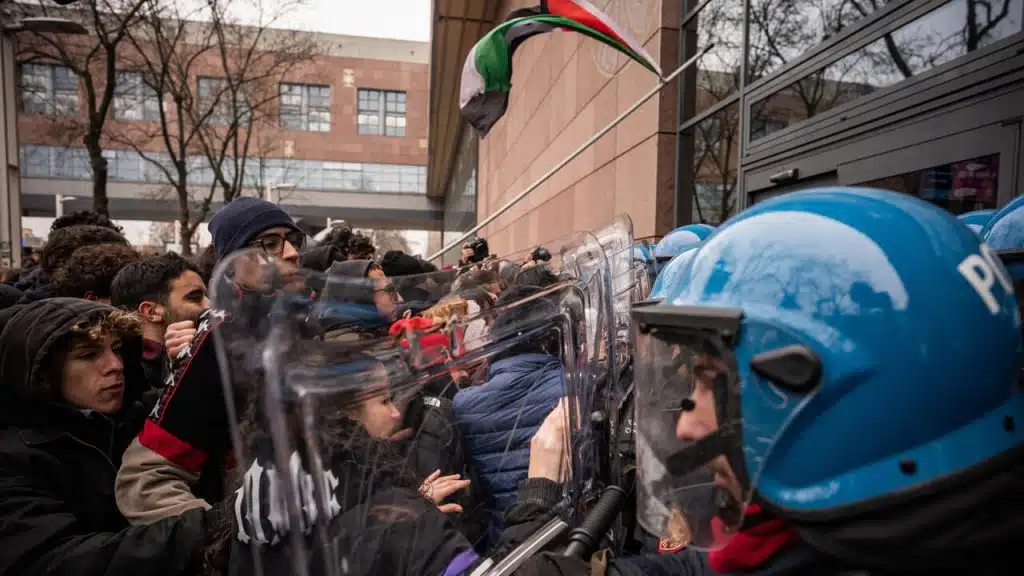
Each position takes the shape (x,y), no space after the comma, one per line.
(694,472)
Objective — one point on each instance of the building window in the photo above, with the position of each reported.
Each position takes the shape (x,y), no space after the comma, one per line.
(134,99)
(305,107)
(381,112)
(782,32)
(49,89)
(948,32)
(715,166)
(36,161)
(215,102)
(130,166)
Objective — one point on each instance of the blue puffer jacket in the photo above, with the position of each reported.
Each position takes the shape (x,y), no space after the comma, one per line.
(497,420)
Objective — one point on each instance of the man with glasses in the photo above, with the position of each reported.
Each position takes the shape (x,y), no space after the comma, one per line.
(177,461)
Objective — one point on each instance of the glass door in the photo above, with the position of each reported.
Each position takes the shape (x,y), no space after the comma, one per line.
(971,170)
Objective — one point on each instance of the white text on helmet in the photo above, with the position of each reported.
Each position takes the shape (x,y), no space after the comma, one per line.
(982,271)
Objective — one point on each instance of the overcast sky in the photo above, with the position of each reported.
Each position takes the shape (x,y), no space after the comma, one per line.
(403,19)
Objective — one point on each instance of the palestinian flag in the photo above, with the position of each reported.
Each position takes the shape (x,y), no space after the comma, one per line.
(487,73)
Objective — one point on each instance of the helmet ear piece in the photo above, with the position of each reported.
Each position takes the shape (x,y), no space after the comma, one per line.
(795,368)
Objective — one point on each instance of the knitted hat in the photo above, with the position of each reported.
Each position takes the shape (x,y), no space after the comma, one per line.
(398,263)
(242,219)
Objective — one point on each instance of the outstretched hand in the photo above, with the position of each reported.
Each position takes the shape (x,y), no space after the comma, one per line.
(549,446)
(436,488)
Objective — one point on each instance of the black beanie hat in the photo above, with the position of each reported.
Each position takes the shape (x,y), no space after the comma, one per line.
(398,263)
(242,219)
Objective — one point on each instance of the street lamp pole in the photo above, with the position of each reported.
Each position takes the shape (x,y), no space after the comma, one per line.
(10,178)
(58,209)
(270,191)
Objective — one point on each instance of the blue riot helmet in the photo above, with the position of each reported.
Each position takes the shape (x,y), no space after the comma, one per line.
(976,219)
(1004,233)
(644,264)
(680,240)
(806,354)
(671,273)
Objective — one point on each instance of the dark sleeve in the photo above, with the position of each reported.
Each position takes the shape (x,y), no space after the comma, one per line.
(534,507)
(40,535)
(685,563)
(681,564)
(190,419)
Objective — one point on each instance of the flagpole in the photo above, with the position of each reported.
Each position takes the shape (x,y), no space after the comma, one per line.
(572,156)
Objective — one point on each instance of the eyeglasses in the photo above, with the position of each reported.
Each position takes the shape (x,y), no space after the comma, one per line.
(273,244)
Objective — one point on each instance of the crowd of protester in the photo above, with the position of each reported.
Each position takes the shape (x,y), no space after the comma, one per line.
(115,452)
(128,388)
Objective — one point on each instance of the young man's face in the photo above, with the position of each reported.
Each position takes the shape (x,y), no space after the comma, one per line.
(280,243)
(93,375)
(186,298)
(702,420)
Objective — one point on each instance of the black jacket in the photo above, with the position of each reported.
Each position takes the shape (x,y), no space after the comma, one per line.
(397,532)
(57,466)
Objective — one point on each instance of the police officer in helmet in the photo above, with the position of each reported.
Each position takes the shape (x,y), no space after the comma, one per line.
(837,364)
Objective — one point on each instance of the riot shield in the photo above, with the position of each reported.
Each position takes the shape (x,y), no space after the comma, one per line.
(321,373)
(585,303)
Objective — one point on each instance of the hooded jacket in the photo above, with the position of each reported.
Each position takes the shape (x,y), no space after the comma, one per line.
(57,465)
(9,296)
(497,420)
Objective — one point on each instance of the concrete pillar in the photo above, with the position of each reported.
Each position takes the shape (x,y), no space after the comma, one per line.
(10,179)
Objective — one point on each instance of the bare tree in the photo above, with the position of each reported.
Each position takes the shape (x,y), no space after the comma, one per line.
(161,233)
(210,94)
(168,48)
(93,59)
(252,60)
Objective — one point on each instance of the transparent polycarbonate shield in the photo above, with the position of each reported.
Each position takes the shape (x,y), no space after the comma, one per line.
(697,456)
(261,303)
(537,323)
(329,377)
(312,384)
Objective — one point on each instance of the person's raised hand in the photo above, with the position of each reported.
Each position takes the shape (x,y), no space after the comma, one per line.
(436,488)
(178,336)
(549,446)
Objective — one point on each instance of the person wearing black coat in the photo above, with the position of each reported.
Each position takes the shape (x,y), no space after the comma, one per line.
(69,404)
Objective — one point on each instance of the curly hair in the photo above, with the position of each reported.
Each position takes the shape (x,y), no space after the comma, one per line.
(63,243)
(85,218)
(116,322)
(338,236)
(360,247)
(92,269)
(100,323)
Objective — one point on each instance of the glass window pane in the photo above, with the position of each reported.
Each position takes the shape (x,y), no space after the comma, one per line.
(781,31)
(314,175)
(294,171)
(715,159)
(35,161)
(938,37)
(274,170)
(127,166)
(958,187)
(718,71)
